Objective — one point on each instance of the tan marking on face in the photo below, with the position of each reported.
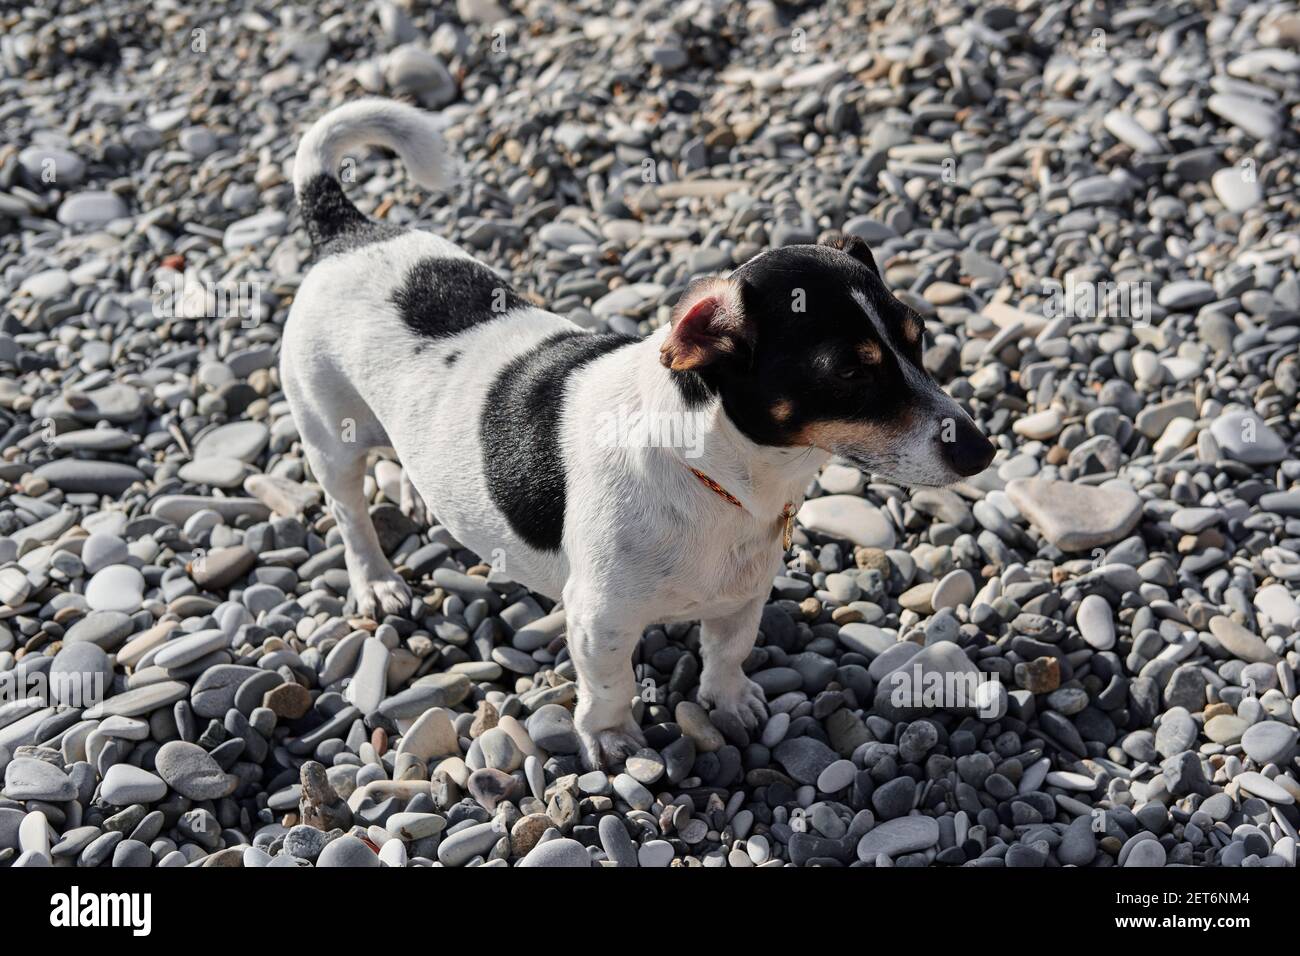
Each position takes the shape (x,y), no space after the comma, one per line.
(782,409)
(912,329)
(837,434)
(869,352)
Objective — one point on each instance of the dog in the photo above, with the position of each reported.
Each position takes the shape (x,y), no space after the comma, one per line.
(399,339)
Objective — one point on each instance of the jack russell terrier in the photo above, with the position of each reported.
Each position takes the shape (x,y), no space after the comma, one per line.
(800,354)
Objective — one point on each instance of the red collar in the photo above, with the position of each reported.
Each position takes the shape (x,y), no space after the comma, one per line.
(787,513)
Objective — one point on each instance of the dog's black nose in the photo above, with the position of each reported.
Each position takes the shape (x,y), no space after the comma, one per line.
(965,448)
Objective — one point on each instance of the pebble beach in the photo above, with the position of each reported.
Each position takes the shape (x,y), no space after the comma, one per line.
(1095,211)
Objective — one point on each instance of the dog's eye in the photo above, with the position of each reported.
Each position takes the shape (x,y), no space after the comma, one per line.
(852,372)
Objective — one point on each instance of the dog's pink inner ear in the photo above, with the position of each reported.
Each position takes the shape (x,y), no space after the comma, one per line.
(708,325)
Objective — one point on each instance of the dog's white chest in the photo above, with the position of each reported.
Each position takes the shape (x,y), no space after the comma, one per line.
(721,574)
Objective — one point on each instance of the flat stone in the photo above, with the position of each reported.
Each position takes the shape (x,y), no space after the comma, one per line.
(1243,436)
(27,778)
(1276,603)
(1176,733)
(558,853)
(804,758)
(192,772)
(140,700)
(457,849)
(1264,788)
(91,209)
(1073,516)
(219,472)
(956,588)
(124,785)
(938,677)
(370,681)
(95,477)
(1236,191)
(107,629)
(240,440)
(1130,132)
(848,517)
(81,675)
(898,836)
(220,568)
(347,851)
(1269,741)
(1096,622)
(118,587)
(1239,642)
(214,692)
(431,735)
(183,650)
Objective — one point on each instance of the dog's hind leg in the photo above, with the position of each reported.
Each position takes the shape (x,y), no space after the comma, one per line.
(412,504)
(336,438)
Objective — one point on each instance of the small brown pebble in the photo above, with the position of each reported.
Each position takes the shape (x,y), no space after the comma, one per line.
(289,701)
(846,615)
(873,558)
(485,718)
(1042,675)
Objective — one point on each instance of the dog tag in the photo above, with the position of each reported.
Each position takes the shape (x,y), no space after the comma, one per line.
(787,534)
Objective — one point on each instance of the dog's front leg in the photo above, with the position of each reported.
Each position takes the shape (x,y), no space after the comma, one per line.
(601,642)
(726,642)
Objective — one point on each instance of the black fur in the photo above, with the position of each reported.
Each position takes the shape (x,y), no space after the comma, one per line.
(522,458)
(692,388)
(334,225)
(809,359)
(442,297)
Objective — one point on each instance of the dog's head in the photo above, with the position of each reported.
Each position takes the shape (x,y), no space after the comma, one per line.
(806,346)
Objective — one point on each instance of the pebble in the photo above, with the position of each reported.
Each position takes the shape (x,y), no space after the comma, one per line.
(124,785)
(347,851)
(847,517)
(557,853)
(192,772)
(895,837)
(1075,517)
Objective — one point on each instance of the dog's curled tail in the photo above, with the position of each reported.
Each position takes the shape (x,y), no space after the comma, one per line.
(339,135)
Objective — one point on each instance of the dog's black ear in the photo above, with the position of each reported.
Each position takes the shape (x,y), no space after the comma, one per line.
(853,245)
(708,323)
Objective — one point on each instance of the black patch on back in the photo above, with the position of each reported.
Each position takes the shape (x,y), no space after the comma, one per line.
(520,432)
(442,297)
(334,225)
(450,358)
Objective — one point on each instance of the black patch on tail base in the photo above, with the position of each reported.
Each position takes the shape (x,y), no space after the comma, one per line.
(334,225)
(520,433)
(442,297)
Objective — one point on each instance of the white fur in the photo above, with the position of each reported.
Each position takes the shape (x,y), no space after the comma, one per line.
(645,541)
(411,133)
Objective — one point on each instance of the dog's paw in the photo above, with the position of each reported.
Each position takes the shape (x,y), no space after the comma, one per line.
(386,595)
(736,695)
(609,748)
